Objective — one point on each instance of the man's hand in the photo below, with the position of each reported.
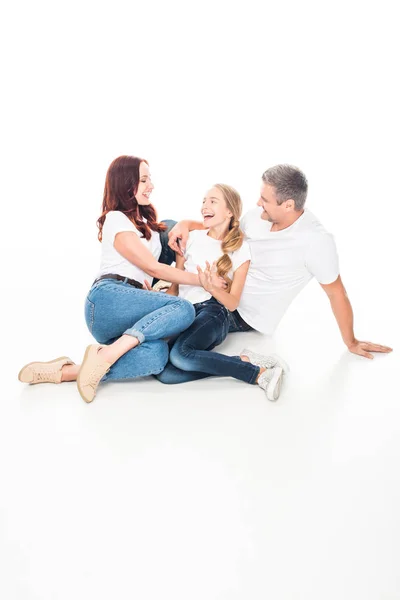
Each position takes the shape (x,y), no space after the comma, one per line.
(365,348)
(178,237)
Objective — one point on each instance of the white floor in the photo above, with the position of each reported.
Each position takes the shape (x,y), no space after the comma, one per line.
(205,490)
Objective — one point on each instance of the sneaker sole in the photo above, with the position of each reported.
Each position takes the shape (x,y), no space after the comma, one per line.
(274,387)
(48,362)
(78,378)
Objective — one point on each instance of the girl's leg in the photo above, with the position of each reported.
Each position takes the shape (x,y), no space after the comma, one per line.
(191,351)
(171,375)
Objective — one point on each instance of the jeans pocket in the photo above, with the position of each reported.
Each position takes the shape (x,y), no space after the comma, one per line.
(89,314)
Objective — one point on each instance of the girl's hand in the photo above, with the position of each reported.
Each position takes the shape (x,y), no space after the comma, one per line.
(147,286)
(205,277)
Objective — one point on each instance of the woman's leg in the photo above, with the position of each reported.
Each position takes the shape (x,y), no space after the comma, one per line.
(128,316)
(116,309)
(147,359)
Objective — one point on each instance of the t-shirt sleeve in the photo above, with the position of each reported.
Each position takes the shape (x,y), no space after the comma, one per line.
(322,259)
(243,223)
(116,222)
(189,243)
(240,256)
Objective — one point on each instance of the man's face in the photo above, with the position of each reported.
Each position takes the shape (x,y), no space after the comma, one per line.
(272,212)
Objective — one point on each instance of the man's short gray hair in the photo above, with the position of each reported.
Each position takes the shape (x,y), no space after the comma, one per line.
(289,182)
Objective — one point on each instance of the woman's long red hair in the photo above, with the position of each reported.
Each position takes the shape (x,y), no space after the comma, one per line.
(121,185)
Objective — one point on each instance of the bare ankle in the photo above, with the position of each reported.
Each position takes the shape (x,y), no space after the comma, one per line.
(262,370)
(69,372)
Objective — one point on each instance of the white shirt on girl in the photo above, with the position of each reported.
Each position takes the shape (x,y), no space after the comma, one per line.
(201,248)
(112,262)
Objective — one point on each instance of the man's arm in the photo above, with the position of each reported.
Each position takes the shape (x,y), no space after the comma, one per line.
(343,312)
(178,236)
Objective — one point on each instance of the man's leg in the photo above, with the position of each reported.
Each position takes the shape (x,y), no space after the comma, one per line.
(167,256)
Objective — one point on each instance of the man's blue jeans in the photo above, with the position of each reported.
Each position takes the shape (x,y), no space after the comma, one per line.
(114,308)
(190,357)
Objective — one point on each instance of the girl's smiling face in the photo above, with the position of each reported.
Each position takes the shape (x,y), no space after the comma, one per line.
(214,209)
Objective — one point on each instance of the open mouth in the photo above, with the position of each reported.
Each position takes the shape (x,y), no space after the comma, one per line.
(147,195)
(207,217)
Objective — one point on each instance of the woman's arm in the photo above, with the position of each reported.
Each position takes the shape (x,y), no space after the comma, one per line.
(128,244)
(229,299)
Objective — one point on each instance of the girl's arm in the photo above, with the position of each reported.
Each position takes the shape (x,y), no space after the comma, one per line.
(128,244)
(229,299)
(173,290)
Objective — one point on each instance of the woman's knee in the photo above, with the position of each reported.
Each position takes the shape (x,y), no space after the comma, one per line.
(187,313)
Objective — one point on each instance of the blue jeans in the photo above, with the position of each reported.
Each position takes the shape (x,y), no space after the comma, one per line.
(190,357)
(236,323)
(114,308)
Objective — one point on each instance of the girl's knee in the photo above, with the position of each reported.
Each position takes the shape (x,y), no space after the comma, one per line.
(180,359)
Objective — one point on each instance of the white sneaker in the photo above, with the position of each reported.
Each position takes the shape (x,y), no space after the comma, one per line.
(270,381)
(266,361)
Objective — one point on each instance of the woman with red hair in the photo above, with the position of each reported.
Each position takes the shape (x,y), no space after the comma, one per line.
(128,321)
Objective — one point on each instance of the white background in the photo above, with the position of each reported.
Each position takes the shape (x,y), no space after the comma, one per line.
(204,490)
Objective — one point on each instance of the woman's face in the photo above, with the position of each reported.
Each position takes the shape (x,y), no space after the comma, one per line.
(145,186)
(214,209)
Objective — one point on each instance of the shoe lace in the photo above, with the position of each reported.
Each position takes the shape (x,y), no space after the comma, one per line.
(45,376)
(94,377)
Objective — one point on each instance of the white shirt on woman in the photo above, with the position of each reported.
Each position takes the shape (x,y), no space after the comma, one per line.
(201,248)
(282,263)
(112,262)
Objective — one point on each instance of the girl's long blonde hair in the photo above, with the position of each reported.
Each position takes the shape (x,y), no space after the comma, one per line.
(234,238)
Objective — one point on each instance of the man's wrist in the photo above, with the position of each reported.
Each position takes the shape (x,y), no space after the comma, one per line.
(350,342)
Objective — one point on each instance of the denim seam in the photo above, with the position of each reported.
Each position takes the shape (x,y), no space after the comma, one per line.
(212,318)
(169,309)
(91,314)
(146,374)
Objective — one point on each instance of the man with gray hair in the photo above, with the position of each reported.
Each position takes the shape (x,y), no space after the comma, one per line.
(289,247)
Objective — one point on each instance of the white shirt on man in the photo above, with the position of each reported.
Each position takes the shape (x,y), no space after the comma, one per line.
(200,248)
(112,262)
(282,263)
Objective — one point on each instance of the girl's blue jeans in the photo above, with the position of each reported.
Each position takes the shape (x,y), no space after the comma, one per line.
(190,357)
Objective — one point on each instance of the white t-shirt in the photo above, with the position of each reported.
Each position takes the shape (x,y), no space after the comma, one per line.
(201,247)
(282,263)
(112,262)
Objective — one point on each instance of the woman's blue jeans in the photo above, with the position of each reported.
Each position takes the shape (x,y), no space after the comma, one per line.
(114,308)
(190,357)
